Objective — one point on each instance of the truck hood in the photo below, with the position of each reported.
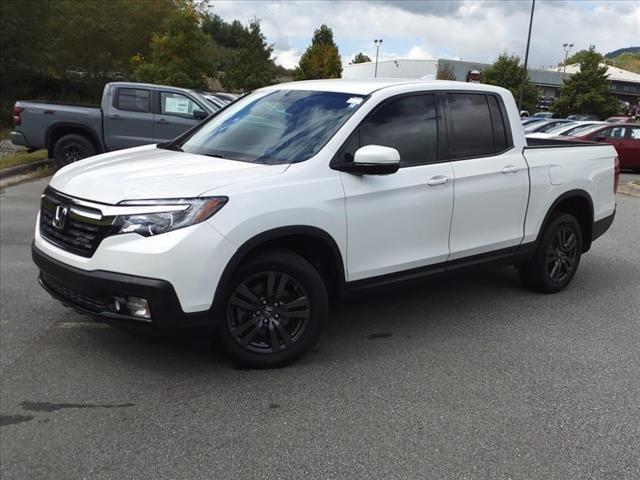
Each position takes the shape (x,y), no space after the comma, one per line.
(148,172)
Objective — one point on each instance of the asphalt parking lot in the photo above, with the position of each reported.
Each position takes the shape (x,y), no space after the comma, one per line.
(468,377)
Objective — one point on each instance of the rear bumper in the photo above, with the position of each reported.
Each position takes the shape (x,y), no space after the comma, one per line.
(602,225)
(93,293)
(17,138)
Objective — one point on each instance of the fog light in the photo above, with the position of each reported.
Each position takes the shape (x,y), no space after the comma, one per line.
(138,307)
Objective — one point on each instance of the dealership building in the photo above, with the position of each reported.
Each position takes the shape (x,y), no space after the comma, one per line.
(624,84)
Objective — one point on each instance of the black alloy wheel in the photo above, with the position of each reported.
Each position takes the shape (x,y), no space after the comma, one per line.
(71,148)
(274,309)
(268,312)
(557,256)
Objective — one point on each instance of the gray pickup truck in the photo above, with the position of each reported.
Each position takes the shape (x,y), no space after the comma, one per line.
(131,114)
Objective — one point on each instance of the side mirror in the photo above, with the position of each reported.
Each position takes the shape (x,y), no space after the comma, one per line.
(200,114)
(373,160)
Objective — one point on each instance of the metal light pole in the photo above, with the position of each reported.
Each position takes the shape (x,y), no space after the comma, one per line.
(567,48)
(377,42)
(526,57)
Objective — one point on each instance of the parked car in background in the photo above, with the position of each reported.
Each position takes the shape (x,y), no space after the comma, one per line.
(302,192)
(546,102)
(621,120)
(531,120)
(625,138)
(219,99)
(524,114)
(563,129)
(131,114)
(542,115)
(545,125)
(581,117)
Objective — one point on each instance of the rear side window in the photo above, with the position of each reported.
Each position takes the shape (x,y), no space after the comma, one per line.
(407,124)
(634,133)
(616,133)
(470,126)
(133,99)
(500,141)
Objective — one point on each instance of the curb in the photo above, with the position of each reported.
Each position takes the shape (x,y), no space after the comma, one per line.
(630,189)
(21,169)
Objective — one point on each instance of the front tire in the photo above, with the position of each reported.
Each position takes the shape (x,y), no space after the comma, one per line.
(275,307)
(71,148)
(557,256)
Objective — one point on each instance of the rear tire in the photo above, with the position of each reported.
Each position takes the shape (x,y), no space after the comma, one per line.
(274,310)
(557,256)
(71,148)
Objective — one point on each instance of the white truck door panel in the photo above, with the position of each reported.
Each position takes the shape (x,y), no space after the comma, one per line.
(491,181)
(491,196)
(397,222)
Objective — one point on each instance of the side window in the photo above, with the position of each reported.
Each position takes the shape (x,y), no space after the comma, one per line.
(634,133)
(177,104)
(499,131)
(470,127)
(616,133)
(407,124)
(133,99)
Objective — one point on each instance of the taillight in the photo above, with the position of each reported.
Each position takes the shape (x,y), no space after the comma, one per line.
(16,115)
(616,175)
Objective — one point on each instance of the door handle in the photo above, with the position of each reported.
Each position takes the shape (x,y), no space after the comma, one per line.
(162,121)
(510,169)
(438,180)
(115,117)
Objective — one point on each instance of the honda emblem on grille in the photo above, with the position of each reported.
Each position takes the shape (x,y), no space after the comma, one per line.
(60,216)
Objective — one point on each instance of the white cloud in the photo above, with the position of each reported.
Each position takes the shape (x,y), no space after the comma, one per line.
(287,58)
(470,30)
(418,53)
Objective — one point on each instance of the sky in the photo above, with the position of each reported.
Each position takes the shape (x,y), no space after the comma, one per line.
(471,30)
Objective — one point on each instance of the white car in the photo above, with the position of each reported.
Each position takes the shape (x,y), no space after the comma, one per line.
(299,193)
(564,129)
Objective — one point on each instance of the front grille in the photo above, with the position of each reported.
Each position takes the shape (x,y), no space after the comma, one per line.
(76,234)
(93,304)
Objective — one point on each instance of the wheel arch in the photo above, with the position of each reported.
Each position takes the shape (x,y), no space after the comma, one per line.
(59,129)
(579,204)
(312,243)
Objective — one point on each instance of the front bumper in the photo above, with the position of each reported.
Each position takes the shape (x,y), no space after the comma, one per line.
(92,292)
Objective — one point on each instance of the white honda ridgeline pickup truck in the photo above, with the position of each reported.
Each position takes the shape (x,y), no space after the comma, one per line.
(254,220)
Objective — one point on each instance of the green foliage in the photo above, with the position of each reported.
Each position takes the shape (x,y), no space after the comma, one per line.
(627,61)
(579,56)
(507,72)
(321,59)
(245,55)
(361,58)
(588,90)
(182,55)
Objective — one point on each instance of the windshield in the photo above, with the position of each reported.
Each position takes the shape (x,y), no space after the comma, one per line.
(560,129)
(274,127)
(582,129)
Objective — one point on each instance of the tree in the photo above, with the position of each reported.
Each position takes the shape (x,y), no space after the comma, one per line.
(587,91)
(507,72)
(445,72)
(580,55)
(321,59)
(250,65)
(360,58)
(183,55)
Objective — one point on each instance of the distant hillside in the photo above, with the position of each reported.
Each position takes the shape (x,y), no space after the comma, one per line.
(615,53)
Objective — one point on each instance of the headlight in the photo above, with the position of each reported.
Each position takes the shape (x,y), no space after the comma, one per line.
(160,216)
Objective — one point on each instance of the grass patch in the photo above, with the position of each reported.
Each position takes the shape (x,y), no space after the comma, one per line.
(21,158)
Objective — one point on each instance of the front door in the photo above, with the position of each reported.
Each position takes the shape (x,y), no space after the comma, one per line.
(175,116)
(400,221)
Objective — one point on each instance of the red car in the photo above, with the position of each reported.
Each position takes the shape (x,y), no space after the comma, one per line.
(621,119)
(624,137)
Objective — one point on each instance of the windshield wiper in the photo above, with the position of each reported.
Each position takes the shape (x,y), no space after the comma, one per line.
(169,146)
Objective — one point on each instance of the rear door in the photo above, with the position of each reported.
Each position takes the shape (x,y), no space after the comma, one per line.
(630,157)
(620,136)
(129,121)
(175,115)
(490,176)
(400,221)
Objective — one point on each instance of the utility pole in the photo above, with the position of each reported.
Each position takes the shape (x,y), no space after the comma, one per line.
(526,57)
(567,48)
(377,42)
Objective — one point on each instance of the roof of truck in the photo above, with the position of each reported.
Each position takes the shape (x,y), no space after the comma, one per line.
(368,86)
